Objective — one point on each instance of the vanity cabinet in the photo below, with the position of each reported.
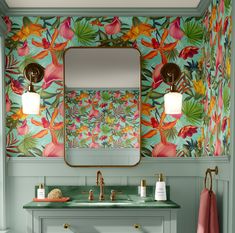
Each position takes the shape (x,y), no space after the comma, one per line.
(114,220)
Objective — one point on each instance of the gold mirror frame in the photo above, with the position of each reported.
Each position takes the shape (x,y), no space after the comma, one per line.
(140,108)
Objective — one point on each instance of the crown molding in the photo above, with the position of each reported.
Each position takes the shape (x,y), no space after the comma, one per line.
(195,12)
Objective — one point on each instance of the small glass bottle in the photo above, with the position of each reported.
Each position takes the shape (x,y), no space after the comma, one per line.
(41,192)
(143,188)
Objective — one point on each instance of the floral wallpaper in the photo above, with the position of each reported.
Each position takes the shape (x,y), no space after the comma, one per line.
(102,118)
(200,46)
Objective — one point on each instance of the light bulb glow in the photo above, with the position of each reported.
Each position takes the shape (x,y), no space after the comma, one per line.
(31,103)
(173,103)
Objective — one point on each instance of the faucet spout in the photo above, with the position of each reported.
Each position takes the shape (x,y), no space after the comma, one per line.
(100,182)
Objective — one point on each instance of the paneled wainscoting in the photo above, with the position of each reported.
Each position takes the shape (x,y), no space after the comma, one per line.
(185,177)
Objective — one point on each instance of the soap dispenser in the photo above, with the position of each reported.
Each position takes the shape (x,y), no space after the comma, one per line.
(160,191)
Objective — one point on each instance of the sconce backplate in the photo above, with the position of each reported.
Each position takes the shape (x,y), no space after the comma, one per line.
(34,72)
(170,73)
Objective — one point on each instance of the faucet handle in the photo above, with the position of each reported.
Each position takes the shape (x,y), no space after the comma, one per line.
(112,195)
(91,195)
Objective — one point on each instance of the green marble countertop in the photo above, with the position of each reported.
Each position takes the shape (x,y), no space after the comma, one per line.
(126,197)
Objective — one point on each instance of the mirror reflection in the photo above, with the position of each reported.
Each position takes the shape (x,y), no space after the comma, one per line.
(102,106)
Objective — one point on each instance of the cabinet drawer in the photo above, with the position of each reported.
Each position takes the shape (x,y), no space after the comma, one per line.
(111,224)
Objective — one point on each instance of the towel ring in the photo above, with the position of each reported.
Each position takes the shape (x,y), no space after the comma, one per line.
(209,171)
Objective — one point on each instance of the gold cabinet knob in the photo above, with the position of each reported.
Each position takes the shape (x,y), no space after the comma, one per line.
(66,226)
(137,226)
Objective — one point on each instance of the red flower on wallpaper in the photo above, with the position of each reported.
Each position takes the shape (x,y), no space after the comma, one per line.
(16,87)
(114,27)
(187,131)
(188,51)
(8,23)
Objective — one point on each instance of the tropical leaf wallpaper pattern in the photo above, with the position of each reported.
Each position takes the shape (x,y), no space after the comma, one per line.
(200,46)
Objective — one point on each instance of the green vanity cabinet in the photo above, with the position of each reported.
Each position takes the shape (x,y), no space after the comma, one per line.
(127,213)
(105,220)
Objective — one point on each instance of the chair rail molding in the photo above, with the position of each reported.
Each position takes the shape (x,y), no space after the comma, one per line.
(199,11)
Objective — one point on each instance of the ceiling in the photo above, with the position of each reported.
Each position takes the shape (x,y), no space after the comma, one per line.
(103,7)
(102,3)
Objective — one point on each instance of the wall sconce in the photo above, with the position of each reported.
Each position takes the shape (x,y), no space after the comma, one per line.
(172,100)
(34,73)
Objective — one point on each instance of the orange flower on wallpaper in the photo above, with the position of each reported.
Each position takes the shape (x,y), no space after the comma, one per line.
(158,126)
(136,31)
(28,30)
(147,108)
(18,115)
(49,47)
(49,126)
(159,47)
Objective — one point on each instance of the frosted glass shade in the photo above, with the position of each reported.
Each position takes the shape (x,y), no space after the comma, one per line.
(173,103)
(31,103)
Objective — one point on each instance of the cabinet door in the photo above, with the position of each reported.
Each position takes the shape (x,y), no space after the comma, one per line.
(158,224)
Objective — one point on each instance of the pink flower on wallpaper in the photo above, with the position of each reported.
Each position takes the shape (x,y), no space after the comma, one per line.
(117,94)
(187,131)
(219,57)
(97,95)
(176,116)
(53,150)
(175,30)
(94,145)
(65,29)
(61,108)
(16,87)
(93,113)
(97,128)
(117,127)
(71,127)
(52,73)
(8,103)
(157,78)
(218,148)
(23,129)
(23,50)
(72,94)
(221,7)
(220,101)
(8,23)
(164,150)
(224,124)
(137,145)
(188,51)
(78,119)
(136,115)
(104,137)
(114,27)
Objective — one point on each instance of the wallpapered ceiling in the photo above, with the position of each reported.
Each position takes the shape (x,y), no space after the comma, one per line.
(105,118)
(200,46)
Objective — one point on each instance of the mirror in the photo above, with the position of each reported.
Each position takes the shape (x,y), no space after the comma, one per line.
(102,106)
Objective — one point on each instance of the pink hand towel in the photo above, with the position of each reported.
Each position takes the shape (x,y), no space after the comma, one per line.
(208,214)
(214,221)
(204,210)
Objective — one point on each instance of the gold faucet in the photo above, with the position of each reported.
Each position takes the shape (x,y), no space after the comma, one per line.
(100,181)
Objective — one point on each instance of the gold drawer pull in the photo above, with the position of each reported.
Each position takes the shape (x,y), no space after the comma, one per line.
(137,226)
(66,226)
